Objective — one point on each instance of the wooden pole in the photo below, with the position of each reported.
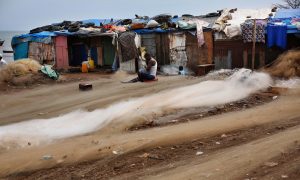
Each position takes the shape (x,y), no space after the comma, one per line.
(254,40)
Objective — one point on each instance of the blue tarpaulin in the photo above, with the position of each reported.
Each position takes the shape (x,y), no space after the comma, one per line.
(288,13)
(43,37)
(156,30)
(21,51)
(291,28)
(277,36)
(20,43)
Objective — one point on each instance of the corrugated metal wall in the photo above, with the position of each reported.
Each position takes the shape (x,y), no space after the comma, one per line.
(229,54)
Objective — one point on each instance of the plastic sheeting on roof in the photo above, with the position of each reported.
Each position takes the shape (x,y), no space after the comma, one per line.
(98,21)
(293,24)
(37,35)
(156,30)
(85,32)
(43,37)
(287,13)
(230,23)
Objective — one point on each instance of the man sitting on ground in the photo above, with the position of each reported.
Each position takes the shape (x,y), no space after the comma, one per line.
(150,72)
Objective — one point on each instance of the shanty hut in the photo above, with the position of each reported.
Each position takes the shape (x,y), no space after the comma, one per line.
(68,44)
(186,41)
(234,35)
(38,46)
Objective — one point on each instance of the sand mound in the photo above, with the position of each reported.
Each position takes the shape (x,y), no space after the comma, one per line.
(287,65)
(19,69)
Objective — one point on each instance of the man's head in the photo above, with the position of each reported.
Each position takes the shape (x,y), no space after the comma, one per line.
(147,56)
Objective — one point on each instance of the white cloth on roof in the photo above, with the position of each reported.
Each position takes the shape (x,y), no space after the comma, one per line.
(219,23)
(192,23)
(232,26)
(199,26)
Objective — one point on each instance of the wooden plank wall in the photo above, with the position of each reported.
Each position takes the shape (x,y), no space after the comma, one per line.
(238,53)
(199,55)
(43,53)
(162,49)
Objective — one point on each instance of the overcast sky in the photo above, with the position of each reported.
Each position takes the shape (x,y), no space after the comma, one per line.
(28,14)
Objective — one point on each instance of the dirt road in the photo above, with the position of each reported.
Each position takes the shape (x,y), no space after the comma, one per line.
(257,142)
(49,101)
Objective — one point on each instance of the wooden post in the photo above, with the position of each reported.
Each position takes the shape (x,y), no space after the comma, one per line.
(245,58)
(253,47)
(262,57)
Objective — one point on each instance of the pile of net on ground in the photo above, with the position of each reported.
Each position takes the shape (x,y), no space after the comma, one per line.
(287,65)
(22,72)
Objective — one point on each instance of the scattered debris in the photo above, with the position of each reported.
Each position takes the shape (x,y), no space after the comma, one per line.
(85,86)
(154,156)
(145,155)
(47,157)
(115,152)
(223,136)
(218,143)
(199,153)
(271,164)
(275,97)
(59,161)
(284,176)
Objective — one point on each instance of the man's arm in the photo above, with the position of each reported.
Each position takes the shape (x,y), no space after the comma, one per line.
(150,64)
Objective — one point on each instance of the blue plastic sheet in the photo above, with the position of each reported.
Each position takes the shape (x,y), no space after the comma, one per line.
(43,37)
(288,13)
(21,51)
(291,29)
(156,30)
(277,36)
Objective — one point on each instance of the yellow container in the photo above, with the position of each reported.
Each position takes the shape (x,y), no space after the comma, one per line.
(91,64)
(84,68)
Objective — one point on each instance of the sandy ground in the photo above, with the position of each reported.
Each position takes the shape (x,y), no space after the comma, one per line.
(246,141)
(46,101)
